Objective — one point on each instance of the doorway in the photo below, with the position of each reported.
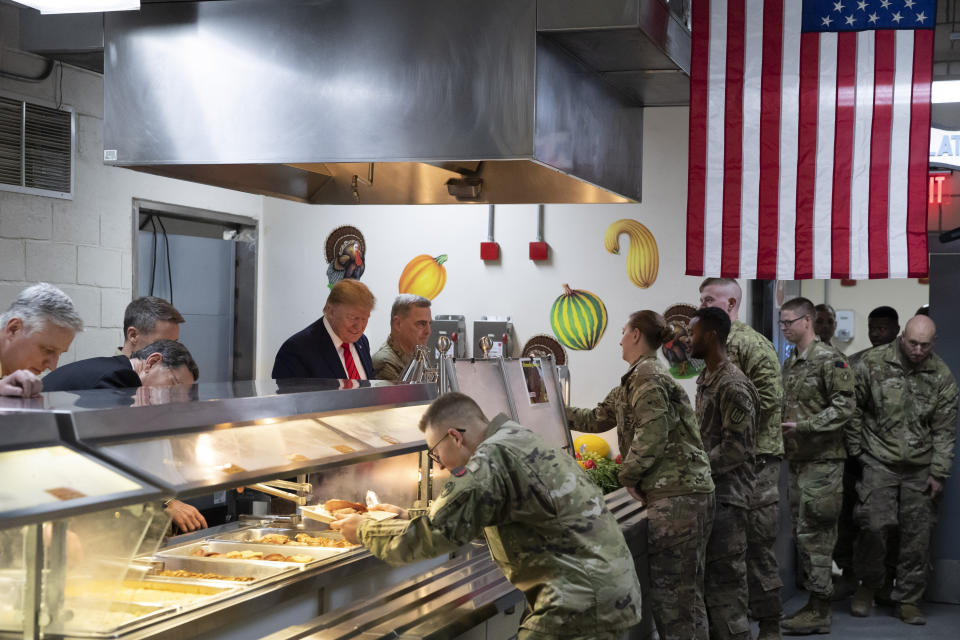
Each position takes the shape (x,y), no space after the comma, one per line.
(204,263)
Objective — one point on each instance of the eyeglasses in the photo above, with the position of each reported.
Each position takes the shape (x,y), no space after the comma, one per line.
(430,452)
(786,324)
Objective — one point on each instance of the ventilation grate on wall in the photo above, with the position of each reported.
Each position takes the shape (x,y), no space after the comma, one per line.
(36,149)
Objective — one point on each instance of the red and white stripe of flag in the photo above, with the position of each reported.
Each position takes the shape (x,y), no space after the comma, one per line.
(808,151)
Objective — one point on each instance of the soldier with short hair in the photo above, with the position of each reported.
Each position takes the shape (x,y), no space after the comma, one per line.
(883,325)
(825,323)
(409,327)
(546,524)
(755,356)
(665,466)
(818,402)
(903,433)
(727,405)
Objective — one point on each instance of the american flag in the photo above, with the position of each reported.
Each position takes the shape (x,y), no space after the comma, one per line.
(809,138)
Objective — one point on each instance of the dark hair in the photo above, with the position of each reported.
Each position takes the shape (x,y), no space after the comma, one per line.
(452,409)
(799,305)
(923,310)
(884,312)
(827,308)
(143,314)
(713,319)
(651,326)
(173,353)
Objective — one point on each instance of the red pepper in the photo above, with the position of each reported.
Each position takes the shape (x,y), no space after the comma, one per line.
(589,464)
(579,457)
(619,459)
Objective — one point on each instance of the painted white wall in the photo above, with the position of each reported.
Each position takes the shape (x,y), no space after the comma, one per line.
(905,295)
(84,245)
(293,264)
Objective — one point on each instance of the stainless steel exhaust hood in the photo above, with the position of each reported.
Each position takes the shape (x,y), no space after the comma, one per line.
(366,101)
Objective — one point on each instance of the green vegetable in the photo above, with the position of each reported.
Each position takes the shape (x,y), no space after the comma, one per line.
(605,474)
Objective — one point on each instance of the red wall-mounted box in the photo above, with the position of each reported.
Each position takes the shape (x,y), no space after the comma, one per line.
(489,251)
(539,250)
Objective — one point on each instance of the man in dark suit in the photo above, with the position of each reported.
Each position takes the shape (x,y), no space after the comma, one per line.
(334,346)
(165,362)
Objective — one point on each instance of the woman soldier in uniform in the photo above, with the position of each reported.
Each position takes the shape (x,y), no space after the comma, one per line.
(665,467)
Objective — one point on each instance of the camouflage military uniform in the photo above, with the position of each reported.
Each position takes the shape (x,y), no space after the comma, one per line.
(755,356)
(663,460)
(904,431)
(389,362)
(727,405)
(818,396)
(547,528)
(846,525)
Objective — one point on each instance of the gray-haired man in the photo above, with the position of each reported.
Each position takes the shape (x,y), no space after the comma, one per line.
(409,326)
(35,331)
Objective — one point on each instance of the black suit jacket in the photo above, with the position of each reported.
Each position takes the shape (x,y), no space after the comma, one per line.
(310,354)
(112,372)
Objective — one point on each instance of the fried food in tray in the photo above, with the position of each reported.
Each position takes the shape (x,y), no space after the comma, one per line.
(304,540)
(249,554)
(181,573)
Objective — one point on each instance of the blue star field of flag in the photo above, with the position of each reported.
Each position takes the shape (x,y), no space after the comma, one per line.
(863,15)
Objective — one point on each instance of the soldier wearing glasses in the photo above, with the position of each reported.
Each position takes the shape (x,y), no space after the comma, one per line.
(818,402)
(545,522)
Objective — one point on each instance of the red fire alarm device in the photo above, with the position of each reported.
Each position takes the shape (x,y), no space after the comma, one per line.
(539,250)
(489,251)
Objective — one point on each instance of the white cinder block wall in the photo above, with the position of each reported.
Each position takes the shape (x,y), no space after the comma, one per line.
(84,245)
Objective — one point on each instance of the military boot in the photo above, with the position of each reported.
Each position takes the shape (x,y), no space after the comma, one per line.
(910,613)
(814,617)
(862,602)
(769,629)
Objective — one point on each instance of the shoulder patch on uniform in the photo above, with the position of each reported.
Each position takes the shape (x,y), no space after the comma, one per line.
(459,472)
(738,415)
(840,364)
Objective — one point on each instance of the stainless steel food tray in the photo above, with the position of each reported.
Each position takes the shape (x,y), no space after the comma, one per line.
(91,607)
(250,535)
(226,546)
(261,571)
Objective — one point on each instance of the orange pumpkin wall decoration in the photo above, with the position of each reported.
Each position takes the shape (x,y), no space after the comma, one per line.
(424,276)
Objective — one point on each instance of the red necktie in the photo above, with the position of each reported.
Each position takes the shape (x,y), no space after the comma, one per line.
(352,372)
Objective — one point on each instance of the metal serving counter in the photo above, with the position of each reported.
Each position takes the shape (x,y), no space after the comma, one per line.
(82,549)
(81,526)
(465,598)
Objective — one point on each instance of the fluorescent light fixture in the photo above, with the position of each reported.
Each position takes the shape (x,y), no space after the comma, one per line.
(945,91)
(80,6)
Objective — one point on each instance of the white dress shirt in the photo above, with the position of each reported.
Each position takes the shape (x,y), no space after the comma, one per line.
(338,345)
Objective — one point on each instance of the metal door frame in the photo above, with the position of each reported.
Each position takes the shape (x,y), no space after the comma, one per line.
(245,273)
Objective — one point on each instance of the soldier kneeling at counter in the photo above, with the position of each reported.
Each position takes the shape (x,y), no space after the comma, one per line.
(545,522)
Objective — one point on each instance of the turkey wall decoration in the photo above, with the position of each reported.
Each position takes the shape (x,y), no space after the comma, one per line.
(676,350)
(643,258)
(424,276)
(346,254)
